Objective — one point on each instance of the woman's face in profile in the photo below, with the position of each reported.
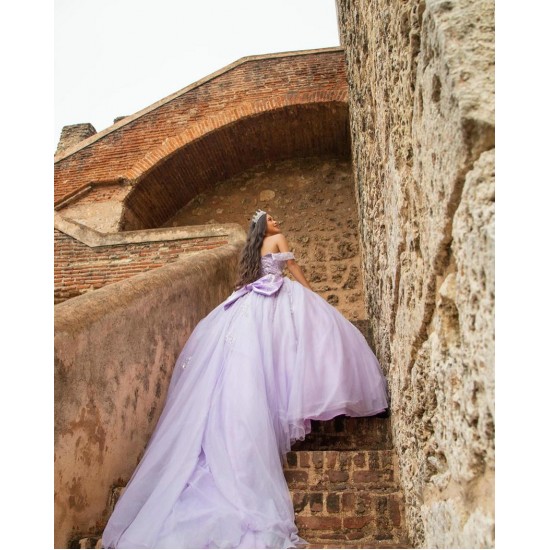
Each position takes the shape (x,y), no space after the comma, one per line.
(272,226)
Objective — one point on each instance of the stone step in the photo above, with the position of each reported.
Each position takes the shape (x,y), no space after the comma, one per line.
(346,433)
(341,498)
(350,497)
(337,543)
(361,517)
(90,541)
(339,470)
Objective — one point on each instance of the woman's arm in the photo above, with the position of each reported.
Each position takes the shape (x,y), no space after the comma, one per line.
(293,267)
(297,272)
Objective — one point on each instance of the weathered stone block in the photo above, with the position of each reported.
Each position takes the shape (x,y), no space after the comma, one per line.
(421,78)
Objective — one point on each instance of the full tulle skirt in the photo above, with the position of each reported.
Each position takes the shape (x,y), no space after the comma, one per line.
(246,385)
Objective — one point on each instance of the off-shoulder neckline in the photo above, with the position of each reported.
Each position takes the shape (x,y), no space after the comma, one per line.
(274,254)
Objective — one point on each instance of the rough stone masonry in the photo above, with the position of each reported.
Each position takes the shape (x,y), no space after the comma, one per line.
(421,77)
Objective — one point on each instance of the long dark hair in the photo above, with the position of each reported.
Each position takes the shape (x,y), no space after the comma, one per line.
(249,264)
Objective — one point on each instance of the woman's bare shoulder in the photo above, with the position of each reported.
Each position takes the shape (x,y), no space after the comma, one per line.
(270,245)
(274,243)
(282,243)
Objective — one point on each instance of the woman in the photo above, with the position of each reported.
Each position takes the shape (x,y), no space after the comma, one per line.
(247,384)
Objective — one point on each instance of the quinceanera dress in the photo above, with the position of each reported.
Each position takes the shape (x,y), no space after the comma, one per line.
(250,379)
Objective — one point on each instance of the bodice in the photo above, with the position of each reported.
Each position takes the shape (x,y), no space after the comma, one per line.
(274,263)
(271,277)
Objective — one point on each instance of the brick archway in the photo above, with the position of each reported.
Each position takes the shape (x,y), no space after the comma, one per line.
(167,178)
(136,173)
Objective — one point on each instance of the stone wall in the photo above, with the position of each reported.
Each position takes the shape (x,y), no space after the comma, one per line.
(421,77)
(115,349)
(314,201)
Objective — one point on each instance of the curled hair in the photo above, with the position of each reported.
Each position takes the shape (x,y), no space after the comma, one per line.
(249,264)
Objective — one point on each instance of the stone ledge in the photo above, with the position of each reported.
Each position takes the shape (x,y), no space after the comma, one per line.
(234,232)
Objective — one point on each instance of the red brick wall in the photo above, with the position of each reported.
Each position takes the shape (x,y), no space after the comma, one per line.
(80,268)
(271,82)
(102,193)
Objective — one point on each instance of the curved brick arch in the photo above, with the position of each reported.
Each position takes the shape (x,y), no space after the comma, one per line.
(295,125)
(129,148)
(229,116)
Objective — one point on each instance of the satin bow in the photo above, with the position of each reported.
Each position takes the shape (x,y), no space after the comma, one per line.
(266,285)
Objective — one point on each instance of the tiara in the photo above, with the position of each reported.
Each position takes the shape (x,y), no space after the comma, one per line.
(257,215)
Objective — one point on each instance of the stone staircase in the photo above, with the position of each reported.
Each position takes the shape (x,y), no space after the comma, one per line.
(343,483)
(344,487)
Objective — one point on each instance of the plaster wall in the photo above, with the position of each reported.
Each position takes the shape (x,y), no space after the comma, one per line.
(421,77)
(114,352)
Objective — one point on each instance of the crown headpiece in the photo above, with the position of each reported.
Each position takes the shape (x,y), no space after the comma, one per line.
(258,215)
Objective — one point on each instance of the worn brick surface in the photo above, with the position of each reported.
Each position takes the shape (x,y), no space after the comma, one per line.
(350,496)
(345,433)
(79,268)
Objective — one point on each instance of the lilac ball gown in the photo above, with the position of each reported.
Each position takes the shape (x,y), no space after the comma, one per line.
(247,384)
